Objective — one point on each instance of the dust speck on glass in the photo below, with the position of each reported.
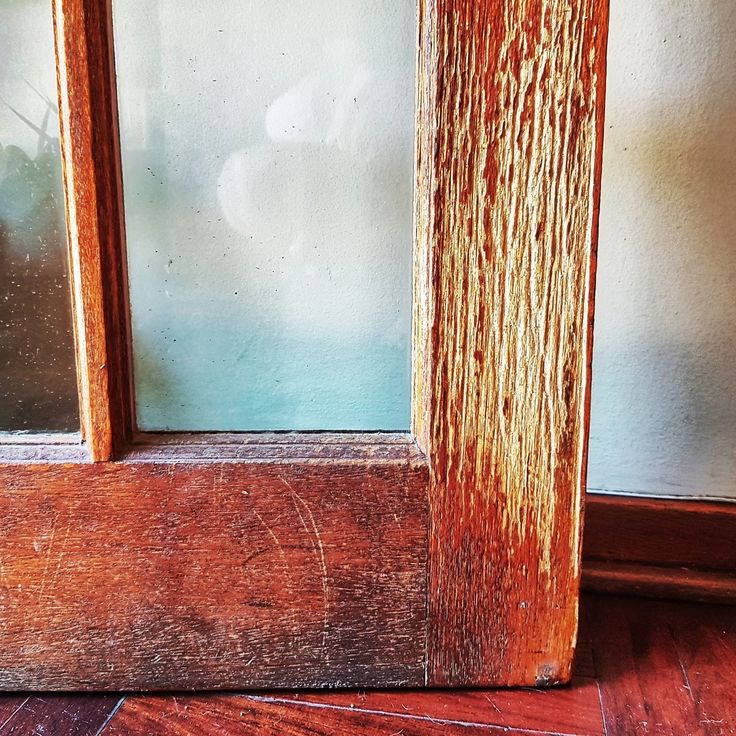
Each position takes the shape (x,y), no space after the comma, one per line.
(268,180)
(37,375)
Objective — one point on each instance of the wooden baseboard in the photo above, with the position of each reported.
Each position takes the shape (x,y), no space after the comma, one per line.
(662,548)
(659,582)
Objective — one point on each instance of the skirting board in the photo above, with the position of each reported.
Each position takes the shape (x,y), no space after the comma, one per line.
(661,548)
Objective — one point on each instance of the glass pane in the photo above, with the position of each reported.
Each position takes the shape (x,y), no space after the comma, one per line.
(37,376)
(268,172)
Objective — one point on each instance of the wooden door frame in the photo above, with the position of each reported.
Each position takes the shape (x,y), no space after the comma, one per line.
(450,556)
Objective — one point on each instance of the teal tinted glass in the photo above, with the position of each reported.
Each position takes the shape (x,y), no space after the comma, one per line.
(268,174)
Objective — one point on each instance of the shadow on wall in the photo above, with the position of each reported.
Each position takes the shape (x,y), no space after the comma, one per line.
(38,386)
(664,386)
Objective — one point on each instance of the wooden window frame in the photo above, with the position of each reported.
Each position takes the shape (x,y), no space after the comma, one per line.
(445,557)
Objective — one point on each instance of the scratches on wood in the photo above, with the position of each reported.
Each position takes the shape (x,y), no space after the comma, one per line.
(510,118)
(319,551)
(212,575)
(214,715)
(60,715)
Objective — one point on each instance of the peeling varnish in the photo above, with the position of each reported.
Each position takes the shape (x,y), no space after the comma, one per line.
(510,119)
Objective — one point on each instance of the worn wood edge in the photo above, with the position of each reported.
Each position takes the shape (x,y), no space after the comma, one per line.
(249,449)
(272,438)
(42,454)
(297,447)
(686,533)
(38,438)
(91,174)
(658,582)
(29,447)
(438,73)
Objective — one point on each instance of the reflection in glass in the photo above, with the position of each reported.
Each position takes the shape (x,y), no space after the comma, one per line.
(268,175)
(37,377)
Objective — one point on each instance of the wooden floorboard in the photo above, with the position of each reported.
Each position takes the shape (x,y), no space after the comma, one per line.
(705,639)
(8,705)
(642,667)
(647,655)
(572,710)
(211,715)
(60,715)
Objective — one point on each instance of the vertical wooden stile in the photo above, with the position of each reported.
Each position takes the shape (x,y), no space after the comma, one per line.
(510,111)
(91,183)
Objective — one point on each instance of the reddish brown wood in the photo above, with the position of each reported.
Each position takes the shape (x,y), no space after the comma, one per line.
(213,574)
(705,640)
(511,122)
(188,565)
(651,653)
(661,532)
(664,668)
(9,704)
(91,181)
(61,715)
(659,582)
(660,547)
(221,714)
(574,711)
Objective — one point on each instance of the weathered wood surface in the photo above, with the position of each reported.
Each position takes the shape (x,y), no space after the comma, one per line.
(90,160)
(509,154)
(180,575)
(154,572)
(663,668)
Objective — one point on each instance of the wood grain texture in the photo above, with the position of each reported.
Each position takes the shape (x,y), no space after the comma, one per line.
(9,704)
(664,668)
(267,717)
(91,182)
(574,711)
(510,116)
(145,575)
(705,641)
(650,652)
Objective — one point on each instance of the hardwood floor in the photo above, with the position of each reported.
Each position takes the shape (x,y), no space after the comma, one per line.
(643,667)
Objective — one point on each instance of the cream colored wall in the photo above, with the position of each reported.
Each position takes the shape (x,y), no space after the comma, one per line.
(664,378)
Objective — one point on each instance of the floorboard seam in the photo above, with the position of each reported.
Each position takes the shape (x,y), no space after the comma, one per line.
(111,715)
(411,716)
(12,715)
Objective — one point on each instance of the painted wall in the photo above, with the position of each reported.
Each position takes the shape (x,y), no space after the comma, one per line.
(664,378)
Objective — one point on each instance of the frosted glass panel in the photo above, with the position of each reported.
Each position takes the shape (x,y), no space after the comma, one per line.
(37,376)
(268,173)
